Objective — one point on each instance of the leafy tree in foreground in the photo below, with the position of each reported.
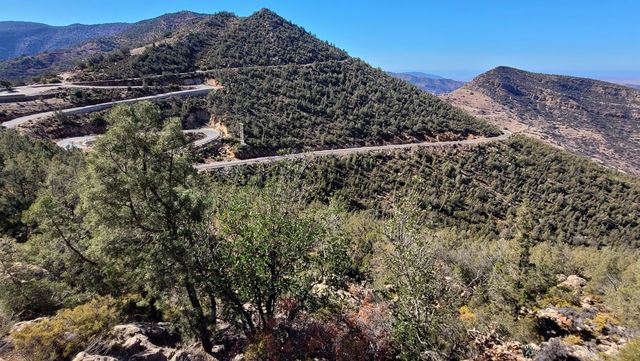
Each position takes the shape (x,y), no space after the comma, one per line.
(157,232)
(276,248)
(144,212)
(23,165)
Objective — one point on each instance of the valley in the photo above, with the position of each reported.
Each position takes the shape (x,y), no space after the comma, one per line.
(208,187)
(430,83)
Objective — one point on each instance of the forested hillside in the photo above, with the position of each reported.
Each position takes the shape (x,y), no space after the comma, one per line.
(332,255)
(479,189)
(65,56)
(333,105)
(288,91)
(221,41)
(508,250)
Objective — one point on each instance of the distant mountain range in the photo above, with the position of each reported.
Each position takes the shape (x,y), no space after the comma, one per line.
(33,49)
(592,118)
(634,86)
(430,83)
(25,38)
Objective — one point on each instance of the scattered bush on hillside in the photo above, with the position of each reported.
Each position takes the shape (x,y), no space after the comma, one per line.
(61,336)
(478,189)
(425,314)
(27,291)
(631,351)
(333,105)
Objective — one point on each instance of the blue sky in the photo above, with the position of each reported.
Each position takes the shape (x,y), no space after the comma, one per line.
(455,38)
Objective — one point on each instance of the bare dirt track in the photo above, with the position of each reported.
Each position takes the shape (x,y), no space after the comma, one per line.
(348,151)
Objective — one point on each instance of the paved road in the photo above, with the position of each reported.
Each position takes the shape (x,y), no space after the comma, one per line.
(211,134)
(85,142)
(39,89)
(346,151)
(196,91)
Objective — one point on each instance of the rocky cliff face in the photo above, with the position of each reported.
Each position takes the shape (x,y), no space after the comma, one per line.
(142,341)
(591,118)
(571,332)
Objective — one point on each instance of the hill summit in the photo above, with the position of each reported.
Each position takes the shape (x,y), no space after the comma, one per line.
(222,40)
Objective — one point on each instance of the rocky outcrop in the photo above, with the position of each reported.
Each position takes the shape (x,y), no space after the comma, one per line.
(555,350)
(19,326)
(584,331)
(574,283)
(553,323)
(142,342)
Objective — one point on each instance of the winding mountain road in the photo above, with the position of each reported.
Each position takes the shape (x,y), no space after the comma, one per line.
(347,151)
(199,90)
(84,142)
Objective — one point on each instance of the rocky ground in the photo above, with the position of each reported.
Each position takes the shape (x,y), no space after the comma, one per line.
(573,333)
(587,332)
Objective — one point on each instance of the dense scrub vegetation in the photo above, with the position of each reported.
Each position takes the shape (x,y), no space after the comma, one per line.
(479,189)
(368,257)
(220,41)
(333,105)
(23,164)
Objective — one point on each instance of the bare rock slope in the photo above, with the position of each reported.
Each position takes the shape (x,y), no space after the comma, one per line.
(592,118)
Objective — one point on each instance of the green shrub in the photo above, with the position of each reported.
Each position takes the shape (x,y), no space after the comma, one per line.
(631,351)
(68,332)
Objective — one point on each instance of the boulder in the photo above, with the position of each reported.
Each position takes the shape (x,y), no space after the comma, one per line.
(554,350)
(587,303)
(19,326)
(583,353)
(552,323)
(142,342)
(509,351)
(83,356)
(574,283)
(492,348)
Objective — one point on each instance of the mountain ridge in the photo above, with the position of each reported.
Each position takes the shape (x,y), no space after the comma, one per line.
(593,118)
(30,38)
(64,58)
(325,98)
(221,40)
